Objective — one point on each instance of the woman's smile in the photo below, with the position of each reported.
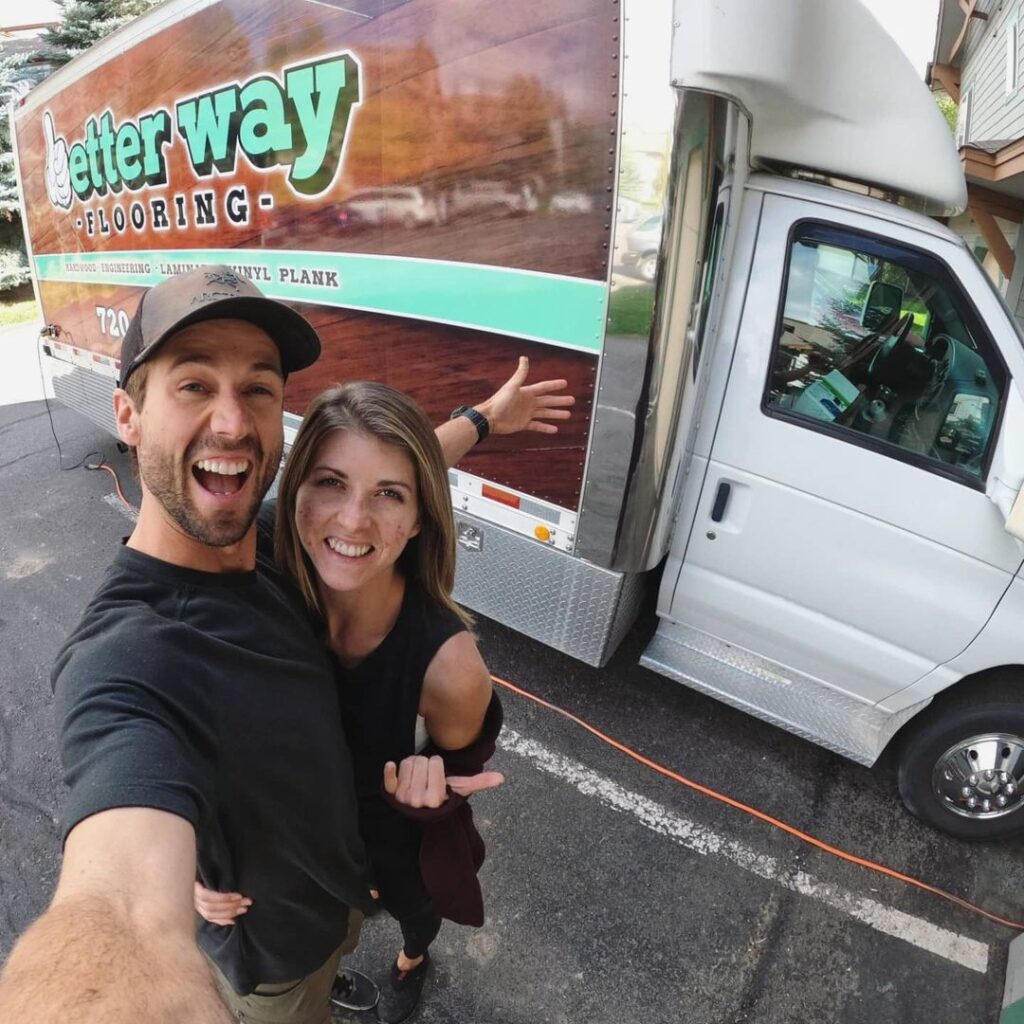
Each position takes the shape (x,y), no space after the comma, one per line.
(339,547)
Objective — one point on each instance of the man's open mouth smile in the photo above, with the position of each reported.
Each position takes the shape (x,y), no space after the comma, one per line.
(222,476)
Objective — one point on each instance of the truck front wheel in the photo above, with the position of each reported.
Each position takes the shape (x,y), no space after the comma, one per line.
(961,767)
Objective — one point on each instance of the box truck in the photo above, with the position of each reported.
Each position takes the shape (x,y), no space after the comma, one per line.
(799,398)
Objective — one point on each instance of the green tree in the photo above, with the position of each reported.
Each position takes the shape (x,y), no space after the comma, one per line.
(84,22)
(948,110)
(17,75)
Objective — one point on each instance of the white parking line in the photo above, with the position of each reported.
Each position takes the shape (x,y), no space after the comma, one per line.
(951,946)
(116,503)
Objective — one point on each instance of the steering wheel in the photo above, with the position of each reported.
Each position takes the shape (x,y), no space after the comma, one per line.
(916,425)
(882,355)
(893,326)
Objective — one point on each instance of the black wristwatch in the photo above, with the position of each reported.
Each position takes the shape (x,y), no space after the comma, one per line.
(478,419)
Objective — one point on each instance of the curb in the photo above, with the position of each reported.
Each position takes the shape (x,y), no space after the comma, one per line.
(1013,993)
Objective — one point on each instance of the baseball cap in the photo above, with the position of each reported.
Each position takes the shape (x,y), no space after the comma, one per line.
(214,293)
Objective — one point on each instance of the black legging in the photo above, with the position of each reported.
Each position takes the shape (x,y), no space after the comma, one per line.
(419,931)
(393,842)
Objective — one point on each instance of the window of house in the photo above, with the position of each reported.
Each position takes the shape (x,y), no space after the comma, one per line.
(877,345)
(1012,54)
(963,125)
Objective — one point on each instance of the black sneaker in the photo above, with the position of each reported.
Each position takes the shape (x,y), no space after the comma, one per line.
(398,998)
(353,990)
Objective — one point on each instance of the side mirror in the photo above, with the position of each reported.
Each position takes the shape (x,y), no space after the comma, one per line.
(1005,486)
(1015,520)
(883,301)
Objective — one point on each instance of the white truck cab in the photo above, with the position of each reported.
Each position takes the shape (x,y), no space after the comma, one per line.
(844,560)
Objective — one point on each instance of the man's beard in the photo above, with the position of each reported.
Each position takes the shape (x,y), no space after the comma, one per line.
(167,480)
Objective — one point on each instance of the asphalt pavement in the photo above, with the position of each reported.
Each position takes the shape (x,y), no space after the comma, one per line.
(613,893)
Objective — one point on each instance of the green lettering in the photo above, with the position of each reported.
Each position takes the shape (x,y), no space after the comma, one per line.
(92,151)
(323,95)
(78,164)
(127,148)
(210,128)
(264,133)
(156,133)
(107,151)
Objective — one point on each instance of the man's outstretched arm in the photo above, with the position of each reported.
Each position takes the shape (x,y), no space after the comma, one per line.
(515,406)
(117,945)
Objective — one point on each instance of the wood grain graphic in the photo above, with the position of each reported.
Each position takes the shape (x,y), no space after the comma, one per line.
(492,125)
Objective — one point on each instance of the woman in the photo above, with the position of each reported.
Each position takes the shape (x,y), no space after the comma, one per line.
(364,529)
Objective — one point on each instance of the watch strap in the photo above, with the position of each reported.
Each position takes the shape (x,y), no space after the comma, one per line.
(478,419)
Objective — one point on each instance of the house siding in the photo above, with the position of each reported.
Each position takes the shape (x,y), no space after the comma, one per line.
(1014,293)
(980,30)
(996,115)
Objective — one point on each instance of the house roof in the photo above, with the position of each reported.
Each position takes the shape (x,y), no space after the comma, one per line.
(950,22)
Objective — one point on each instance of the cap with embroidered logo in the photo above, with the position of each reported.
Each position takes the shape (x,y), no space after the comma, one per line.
(214,293)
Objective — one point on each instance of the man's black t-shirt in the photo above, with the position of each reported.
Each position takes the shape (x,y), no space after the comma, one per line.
(209,696)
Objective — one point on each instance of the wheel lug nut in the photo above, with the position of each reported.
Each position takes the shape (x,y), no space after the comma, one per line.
(1004,777)
(966,791)
(1001,800)
(973,780)
(989,775)
(1010,788)
(986,805)
(972,802)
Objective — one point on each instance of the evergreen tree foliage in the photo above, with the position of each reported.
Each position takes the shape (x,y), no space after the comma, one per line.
(84,22)
(17,76)
(81,25)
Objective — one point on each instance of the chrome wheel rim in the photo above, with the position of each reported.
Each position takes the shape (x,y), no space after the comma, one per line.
(981,777)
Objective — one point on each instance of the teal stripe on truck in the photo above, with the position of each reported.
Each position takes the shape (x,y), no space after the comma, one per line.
(565,311)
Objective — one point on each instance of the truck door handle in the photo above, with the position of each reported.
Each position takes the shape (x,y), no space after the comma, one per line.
(721,501)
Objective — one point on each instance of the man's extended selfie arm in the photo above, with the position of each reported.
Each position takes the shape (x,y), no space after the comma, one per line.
(117,944)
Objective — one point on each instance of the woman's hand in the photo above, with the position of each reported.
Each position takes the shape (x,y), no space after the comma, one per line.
(517,405)
(219,907)
(420,781)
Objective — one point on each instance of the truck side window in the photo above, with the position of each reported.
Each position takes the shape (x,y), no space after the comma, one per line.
(876,342)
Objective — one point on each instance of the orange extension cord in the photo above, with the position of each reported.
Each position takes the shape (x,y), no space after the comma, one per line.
(705,790)
(754,812)
(117,483)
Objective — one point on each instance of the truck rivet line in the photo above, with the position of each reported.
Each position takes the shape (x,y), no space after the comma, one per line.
(958,949)
(760,815)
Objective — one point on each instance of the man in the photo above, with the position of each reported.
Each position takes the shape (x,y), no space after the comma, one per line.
(198,721)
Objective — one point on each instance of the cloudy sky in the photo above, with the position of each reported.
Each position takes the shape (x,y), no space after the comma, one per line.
(911,23)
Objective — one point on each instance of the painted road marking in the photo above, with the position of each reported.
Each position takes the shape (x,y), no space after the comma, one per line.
(949,945)
(116,503)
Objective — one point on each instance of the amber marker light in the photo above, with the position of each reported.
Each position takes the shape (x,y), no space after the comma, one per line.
(512,500)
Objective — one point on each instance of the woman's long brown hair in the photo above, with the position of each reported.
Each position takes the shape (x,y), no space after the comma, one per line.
(381,412)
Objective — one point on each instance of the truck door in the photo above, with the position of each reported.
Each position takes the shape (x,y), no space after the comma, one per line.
(842,529)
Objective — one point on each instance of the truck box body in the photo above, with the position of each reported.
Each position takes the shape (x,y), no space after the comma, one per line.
(432,184)
(798,397)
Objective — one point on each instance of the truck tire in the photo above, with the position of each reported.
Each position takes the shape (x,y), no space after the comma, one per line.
(961,766)
(649,266)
